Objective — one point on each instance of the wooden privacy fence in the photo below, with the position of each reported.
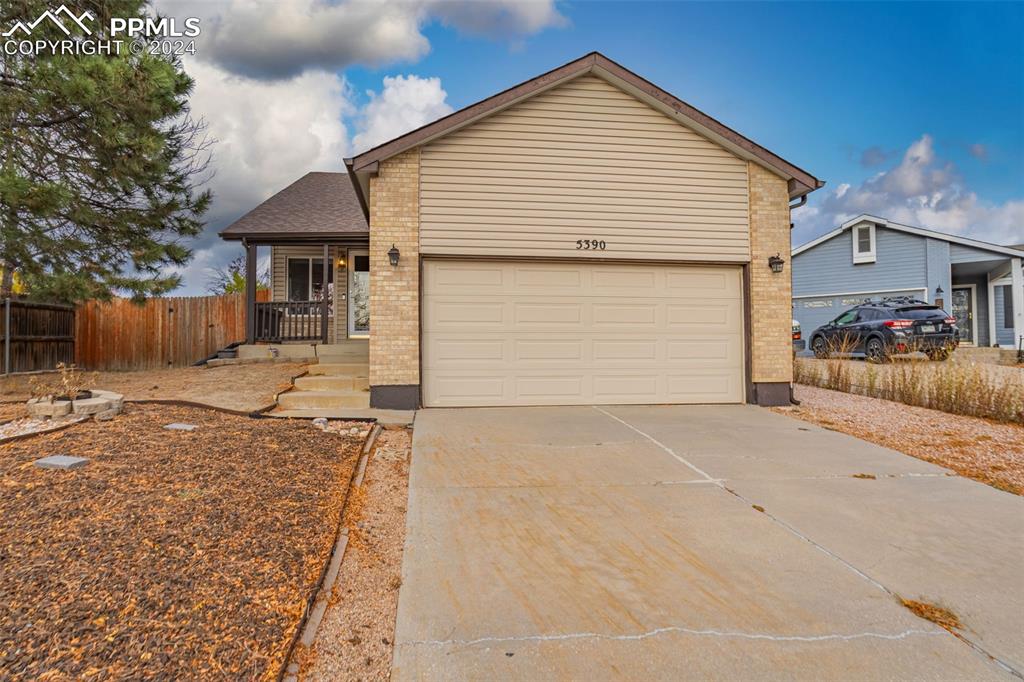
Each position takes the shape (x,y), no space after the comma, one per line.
(36,336)
(162,332)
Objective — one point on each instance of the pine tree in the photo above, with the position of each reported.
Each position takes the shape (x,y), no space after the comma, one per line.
(100,164)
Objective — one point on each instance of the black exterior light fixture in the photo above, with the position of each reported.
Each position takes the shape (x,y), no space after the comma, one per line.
(776,263)
(393,254)
(939,291)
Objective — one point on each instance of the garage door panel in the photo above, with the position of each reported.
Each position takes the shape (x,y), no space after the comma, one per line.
(712,387)
(456,350)
(623,282)
(458,314)
(702,285)
(693,351)
(561,388)
(632,350)
(548,314)
(547,350)
(692,317)
(456,275)
(581,334)
(636,315)
(559,281)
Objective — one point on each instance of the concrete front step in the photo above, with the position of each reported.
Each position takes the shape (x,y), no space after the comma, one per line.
(318,400)
(352,369)
(344,359)
(331,382)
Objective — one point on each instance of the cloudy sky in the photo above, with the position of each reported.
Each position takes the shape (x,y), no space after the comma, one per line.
(910,111)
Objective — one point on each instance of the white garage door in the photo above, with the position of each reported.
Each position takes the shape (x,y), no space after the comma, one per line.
(532,333)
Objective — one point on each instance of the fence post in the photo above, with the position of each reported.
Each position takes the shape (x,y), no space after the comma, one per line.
(7,335)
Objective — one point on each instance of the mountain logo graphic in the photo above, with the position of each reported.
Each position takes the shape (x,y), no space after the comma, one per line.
(55,17)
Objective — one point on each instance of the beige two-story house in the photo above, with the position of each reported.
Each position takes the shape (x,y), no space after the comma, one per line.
(581,238)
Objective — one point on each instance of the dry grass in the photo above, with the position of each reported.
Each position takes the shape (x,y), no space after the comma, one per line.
(966,388)
(939,615)
(981,449)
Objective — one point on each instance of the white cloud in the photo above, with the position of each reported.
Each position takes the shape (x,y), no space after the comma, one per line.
(268,133)
(498,18)
(405,103)
(275,40)
(921,190)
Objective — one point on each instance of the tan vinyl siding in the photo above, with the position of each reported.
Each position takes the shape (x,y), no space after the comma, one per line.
(584,160)
(338,327)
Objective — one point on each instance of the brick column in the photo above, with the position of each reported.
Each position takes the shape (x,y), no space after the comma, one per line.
(394,291)
(771,294)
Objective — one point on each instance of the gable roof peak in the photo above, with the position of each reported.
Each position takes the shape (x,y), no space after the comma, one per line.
(800,181)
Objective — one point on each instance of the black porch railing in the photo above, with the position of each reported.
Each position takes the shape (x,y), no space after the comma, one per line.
(278,321)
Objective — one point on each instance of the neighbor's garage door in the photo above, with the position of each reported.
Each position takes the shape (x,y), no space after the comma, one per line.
(530,333)
(813,311)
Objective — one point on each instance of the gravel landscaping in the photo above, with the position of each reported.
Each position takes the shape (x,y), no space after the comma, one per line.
(235,387)
(987,451)
(170,554)
(357,635)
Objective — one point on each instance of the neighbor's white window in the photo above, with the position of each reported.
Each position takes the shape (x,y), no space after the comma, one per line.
(864,244)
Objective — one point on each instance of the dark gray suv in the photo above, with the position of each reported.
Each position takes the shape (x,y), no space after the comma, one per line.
(890,326)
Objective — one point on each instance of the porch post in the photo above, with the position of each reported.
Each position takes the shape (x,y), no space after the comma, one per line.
(323,302)
(250,293)
(1017,292)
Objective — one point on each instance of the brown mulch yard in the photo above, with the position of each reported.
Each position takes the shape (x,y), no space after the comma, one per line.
(171,554)
(356,638)
(235,387)
(987,451)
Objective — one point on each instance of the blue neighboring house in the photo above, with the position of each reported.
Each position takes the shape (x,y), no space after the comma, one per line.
(980,284)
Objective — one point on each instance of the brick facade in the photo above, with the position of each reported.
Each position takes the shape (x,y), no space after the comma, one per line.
(394,291)
(770,293)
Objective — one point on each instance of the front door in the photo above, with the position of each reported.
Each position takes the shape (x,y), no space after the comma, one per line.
(359,293)
(963,310)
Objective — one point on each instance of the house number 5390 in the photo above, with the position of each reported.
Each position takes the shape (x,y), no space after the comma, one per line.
(590,244)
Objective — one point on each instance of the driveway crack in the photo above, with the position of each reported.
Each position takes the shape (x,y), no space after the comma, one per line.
(729,634)
(825,550)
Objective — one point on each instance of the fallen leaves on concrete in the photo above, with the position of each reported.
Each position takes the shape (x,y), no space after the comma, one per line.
(939,615)
(171,554)
(356,637)
(987,451)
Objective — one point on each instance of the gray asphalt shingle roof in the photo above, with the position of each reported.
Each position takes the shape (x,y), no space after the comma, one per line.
(317,204)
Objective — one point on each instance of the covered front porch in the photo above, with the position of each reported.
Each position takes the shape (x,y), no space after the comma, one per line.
(985,297)
(319,293)
(308,244)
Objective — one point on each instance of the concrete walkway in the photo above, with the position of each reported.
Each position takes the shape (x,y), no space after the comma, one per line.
(624,543)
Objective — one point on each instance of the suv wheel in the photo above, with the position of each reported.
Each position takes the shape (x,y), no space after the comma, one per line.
(820,347)
(876,350)
(939,354)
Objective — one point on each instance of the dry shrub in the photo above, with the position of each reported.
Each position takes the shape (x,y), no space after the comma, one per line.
(838,375)
(965,388)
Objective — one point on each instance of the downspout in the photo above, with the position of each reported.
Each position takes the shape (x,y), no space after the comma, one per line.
(792,389)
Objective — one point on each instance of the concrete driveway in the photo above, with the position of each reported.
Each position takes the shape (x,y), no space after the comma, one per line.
(630,543)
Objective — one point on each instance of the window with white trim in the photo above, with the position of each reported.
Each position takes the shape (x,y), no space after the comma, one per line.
(864,244)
